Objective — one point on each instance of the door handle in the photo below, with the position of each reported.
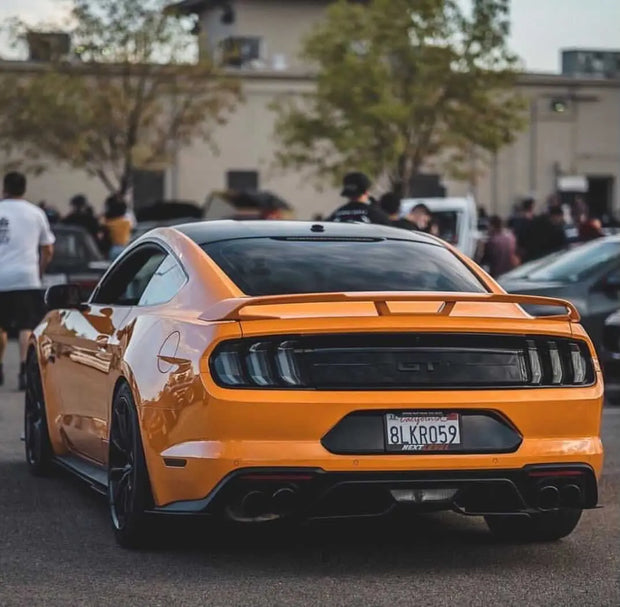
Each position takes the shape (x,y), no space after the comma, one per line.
(102,340)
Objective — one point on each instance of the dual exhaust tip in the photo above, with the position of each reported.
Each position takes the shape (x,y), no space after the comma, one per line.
(281,502)
(550,497)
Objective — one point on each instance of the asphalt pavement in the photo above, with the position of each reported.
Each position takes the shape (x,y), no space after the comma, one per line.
(56,548)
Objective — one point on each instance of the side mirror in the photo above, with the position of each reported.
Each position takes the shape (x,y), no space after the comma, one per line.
(64,297)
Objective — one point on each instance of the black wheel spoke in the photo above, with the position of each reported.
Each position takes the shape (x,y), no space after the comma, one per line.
(121,465)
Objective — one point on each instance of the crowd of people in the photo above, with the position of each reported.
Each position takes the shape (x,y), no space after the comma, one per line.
(111,231)
(526,236)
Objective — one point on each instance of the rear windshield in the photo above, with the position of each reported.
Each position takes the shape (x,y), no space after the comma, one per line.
(269,266)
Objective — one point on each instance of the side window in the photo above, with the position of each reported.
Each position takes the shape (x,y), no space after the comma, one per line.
(129,279)
(164,284)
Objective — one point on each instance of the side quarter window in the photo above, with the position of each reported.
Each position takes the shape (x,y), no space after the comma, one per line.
(127,282)
(167,281)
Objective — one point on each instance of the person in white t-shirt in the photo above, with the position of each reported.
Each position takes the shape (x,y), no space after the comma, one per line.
(26,248)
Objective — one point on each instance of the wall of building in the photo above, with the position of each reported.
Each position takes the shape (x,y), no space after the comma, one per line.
(583,140)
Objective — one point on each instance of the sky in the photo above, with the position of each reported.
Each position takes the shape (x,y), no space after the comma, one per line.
(540,28)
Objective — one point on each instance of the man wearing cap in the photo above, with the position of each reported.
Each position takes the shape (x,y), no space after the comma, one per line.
(356,188)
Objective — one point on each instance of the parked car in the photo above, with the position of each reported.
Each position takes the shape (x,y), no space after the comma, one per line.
(247,205)
(242,370)
(588,276)
(77,260)
(610,357)
(457,219)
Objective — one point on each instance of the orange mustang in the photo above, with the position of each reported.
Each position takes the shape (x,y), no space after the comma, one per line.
(267,370)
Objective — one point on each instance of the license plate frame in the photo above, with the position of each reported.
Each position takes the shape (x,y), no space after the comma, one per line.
(423,419)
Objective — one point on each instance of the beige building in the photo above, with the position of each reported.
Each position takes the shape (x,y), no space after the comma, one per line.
(574,125)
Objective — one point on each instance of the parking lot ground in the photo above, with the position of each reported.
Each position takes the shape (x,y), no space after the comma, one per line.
(56,548)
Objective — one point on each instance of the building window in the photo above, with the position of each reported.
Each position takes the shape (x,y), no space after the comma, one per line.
(240,51)
(242,181)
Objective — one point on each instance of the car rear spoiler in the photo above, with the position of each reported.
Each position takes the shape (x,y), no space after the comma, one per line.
(230,309)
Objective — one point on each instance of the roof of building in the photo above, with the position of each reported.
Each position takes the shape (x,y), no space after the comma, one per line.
(207,232)
(198,6)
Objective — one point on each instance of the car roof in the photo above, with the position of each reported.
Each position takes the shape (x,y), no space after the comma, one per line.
(207,232)
(63,227)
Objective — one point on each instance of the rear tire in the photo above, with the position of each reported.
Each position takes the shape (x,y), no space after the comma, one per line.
(129,491)
(39,453)
(540,527)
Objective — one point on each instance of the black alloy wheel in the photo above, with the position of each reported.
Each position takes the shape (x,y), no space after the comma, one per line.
(39,452)
(540,527)
(129,494)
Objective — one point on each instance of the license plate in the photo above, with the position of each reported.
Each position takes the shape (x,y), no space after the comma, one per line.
(422,431)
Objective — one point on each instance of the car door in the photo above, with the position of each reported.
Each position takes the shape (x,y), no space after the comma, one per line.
(93,342)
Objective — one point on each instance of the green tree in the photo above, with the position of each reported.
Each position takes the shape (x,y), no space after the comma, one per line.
(128,97)
(401,82)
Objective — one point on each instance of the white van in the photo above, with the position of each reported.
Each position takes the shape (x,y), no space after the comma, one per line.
(457,219)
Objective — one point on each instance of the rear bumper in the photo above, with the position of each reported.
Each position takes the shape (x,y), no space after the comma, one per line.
(256,494)
(192,448)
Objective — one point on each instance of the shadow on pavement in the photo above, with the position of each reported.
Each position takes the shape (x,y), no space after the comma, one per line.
(62,515)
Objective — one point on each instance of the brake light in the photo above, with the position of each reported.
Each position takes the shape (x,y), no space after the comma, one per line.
(559,363)
(265,364)
(411,361)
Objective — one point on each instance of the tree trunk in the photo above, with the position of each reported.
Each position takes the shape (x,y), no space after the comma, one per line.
(404,174)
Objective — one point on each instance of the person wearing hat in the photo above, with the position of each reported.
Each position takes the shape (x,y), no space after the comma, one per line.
(356,188)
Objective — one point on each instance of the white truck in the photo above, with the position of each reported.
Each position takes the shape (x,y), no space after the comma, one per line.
(457,219)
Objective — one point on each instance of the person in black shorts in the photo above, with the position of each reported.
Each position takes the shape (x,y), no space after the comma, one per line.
(26,248)
(356,188)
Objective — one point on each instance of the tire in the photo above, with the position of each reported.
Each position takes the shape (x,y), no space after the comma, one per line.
(540,527)
(39,452)
(129,491)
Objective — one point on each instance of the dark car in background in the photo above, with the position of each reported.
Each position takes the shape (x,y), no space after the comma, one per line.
(610,357)
(77,260)
(588,276)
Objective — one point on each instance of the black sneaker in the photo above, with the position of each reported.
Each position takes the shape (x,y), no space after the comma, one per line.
(21,380)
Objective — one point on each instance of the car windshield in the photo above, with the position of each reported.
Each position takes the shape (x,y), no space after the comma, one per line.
(529,267)
(273,266)
(447,223)
(578,263)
